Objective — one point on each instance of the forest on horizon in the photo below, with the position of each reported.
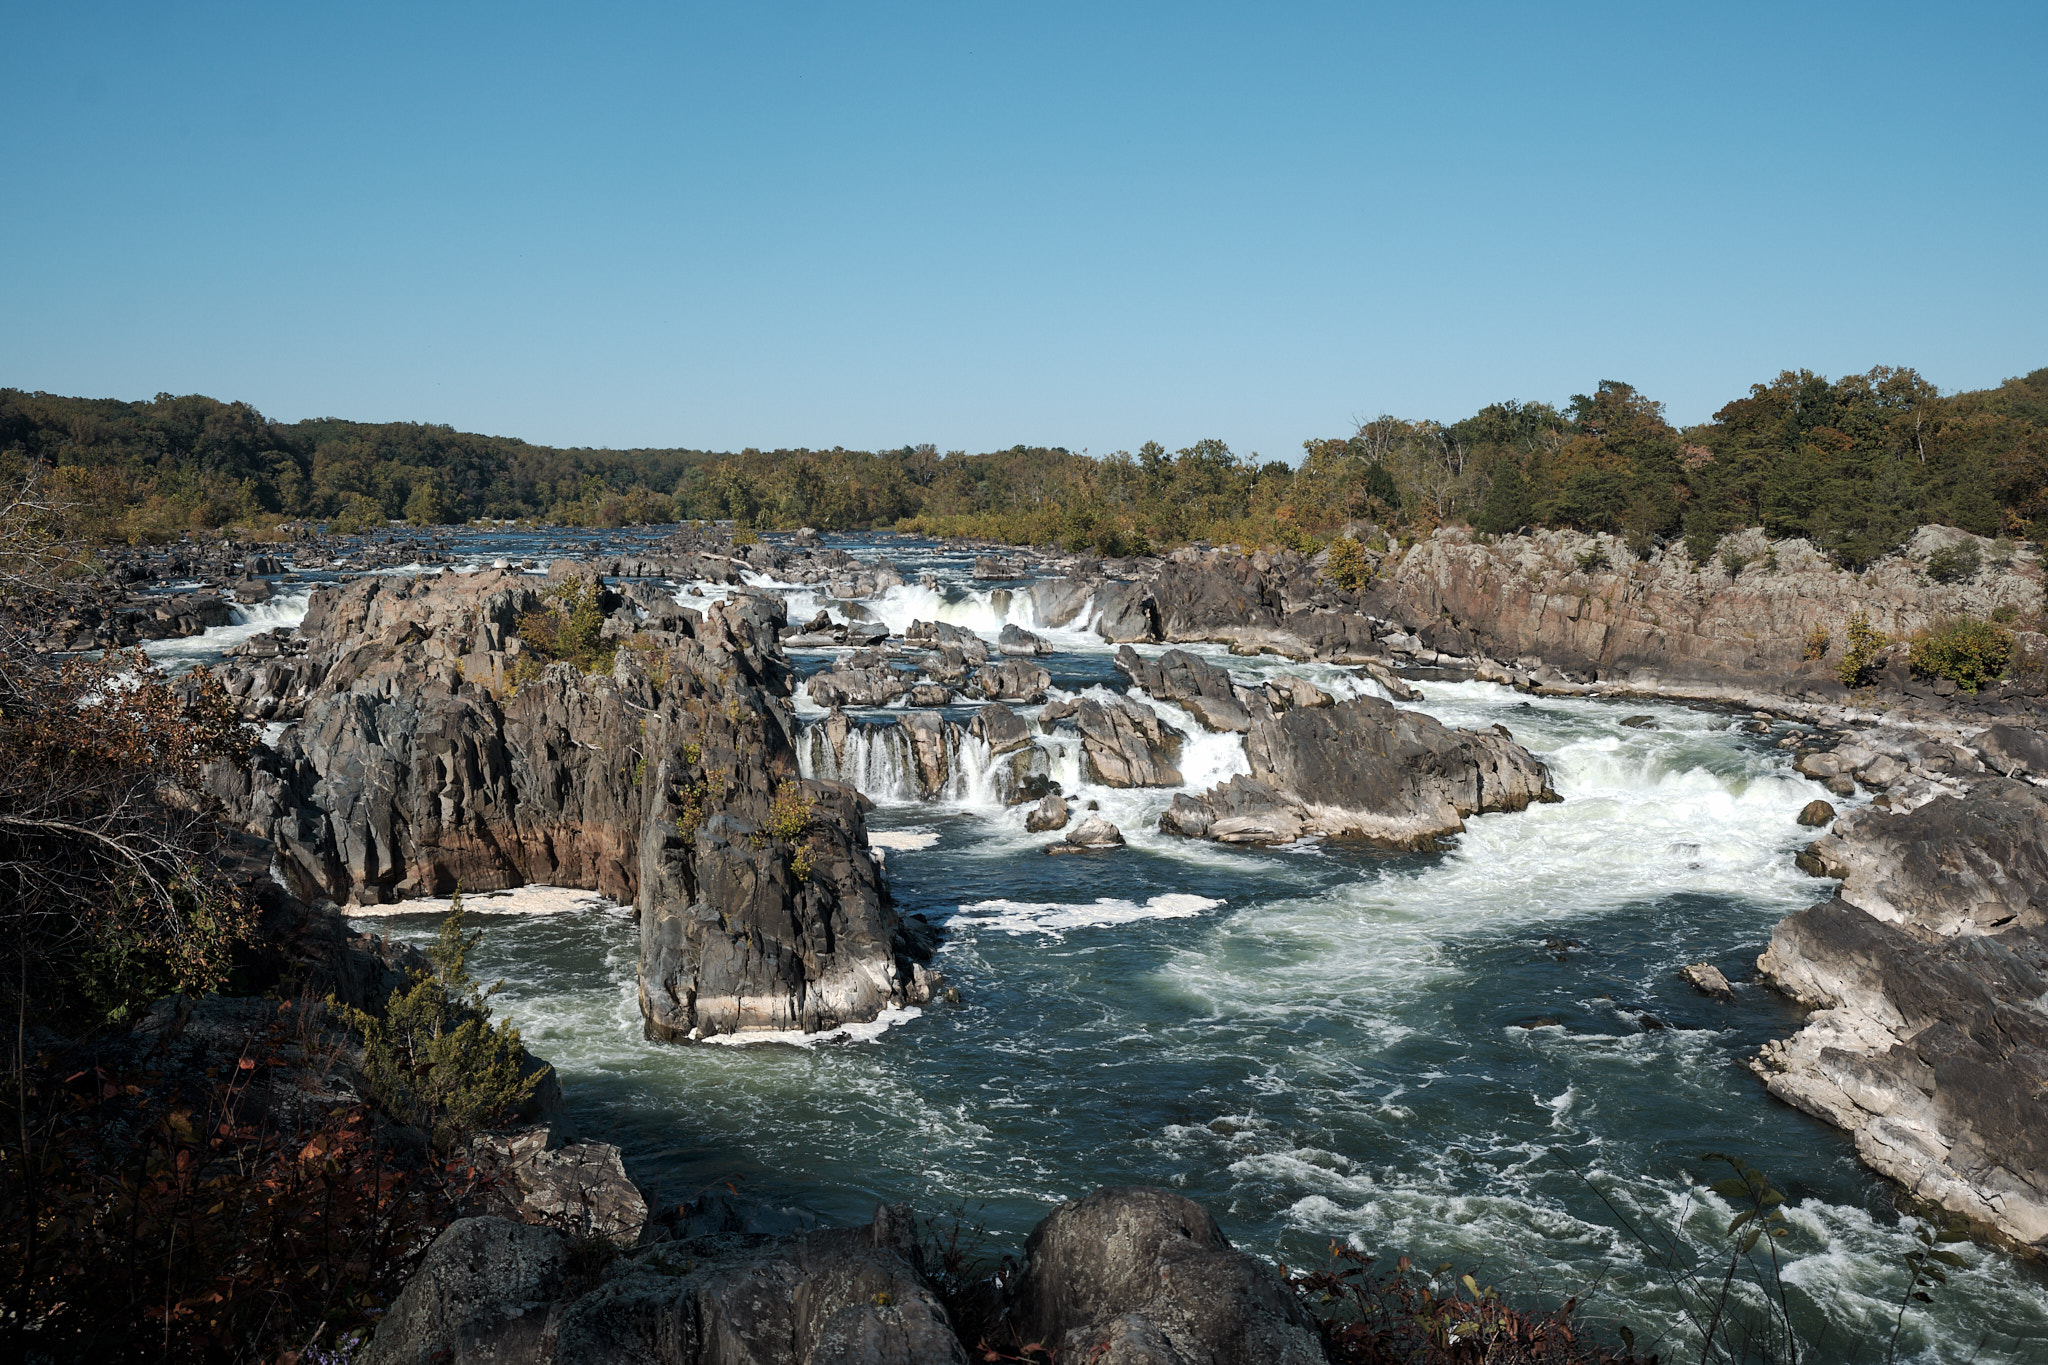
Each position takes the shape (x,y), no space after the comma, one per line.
(1852,464)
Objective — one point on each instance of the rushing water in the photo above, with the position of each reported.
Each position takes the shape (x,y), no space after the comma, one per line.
(1482,1056)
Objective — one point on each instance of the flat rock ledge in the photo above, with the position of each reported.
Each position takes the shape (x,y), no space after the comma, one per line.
(1926,976)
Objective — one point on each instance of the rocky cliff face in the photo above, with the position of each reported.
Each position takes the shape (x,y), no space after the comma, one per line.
(1566,600)
(1928,975)
(433,751)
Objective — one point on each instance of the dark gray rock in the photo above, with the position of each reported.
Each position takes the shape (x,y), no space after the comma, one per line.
(841,686)
(1125,614)
(1049,814)
(2013,750)
(1148,1273)
(1002,729)
(1013,680)
(1816,815)
(1364,768)
(1125,744)
(1199,687)
(1925,973)
(481,1294)
(1015,640)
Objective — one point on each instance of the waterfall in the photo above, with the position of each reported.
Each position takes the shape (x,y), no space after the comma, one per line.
(880,762)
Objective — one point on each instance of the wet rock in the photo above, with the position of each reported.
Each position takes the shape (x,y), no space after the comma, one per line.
(1926,1041)
(1049,814)
(1243,810)
(1096,832)
(1841,785)
(943,635)
(1148,1274)
(1125,614)
(858,686)
(1013,680)
(933,742)
(1125,744)
(1002,729)
(1816,815)
(1364,768)
(1199,687)
(1640,722)
(1707,979)
(930,694)
(1015,640)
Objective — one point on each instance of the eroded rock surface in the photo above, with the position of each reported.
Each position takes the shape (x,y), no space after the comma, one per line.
(1926,974)
(431,754)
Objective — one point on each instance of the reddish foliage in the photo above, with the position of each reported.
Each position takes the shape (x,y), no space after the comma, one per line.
(1399,1318)
(189,1218)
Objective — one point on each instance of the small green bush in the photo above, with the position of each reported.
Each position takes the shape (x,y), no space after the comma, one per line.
(1349,566)
(1733,563)
(571,630)
(433,1059)
(1955,563)
(1864,643)
(1593,560)
(1966,651)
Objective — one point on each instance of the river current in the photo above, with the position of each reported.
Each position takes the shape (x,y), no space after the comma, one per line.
(1482,1056)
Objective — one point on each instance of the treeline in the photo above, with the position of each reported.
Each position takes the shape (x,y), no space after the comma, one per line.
(1852,464)
(149,471)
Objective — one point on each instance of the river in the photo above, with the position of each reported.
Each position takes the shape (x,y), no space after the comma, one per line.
(1482,1056)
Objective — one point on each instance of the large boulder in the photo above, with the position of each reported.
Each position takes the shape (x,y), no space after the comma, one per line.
(1365,769)
(1147,1274)
(858,686)
(1124,614)
(481,1293)
(580,1188)
(1125,744)
(1013,680)
(1925,975)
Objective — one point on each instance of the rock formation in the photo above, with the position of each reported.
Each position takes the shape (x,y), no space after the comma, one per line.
(1365,769)
(1133,1275)
(433,752)
(1926,975)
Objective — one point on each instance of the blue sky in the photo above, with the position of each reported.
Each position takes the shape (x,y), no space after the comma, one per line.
(977,225)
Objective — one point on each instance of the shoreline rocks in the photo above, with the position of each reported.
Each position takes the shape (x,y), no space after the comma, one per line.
(1925,974)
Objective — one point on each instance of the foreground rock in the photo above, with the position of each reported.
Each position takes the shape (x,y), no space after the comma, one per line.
(1148,1275)
(1366,769)
(435,751)
(1131,1275)
(1925,974)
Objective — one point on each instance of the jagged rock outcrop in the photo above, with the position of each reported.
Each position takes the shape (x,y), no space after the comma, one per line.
(842,686)
(1013,680)
(432,754)
(1125,744)
(1203,690)
(1363,768)
(580,1188)
(1926,975)
(1585,603)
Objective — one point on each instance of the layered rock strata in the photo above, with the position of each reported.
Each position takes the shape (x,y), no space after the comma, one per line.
(1928,978)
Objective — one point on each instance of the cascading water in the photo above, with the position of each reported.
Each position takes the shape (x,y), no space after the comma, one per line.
(1483,1055)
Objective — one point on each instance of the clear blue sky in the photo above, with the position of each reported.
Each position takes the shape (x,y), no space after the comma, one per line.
(975,224)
